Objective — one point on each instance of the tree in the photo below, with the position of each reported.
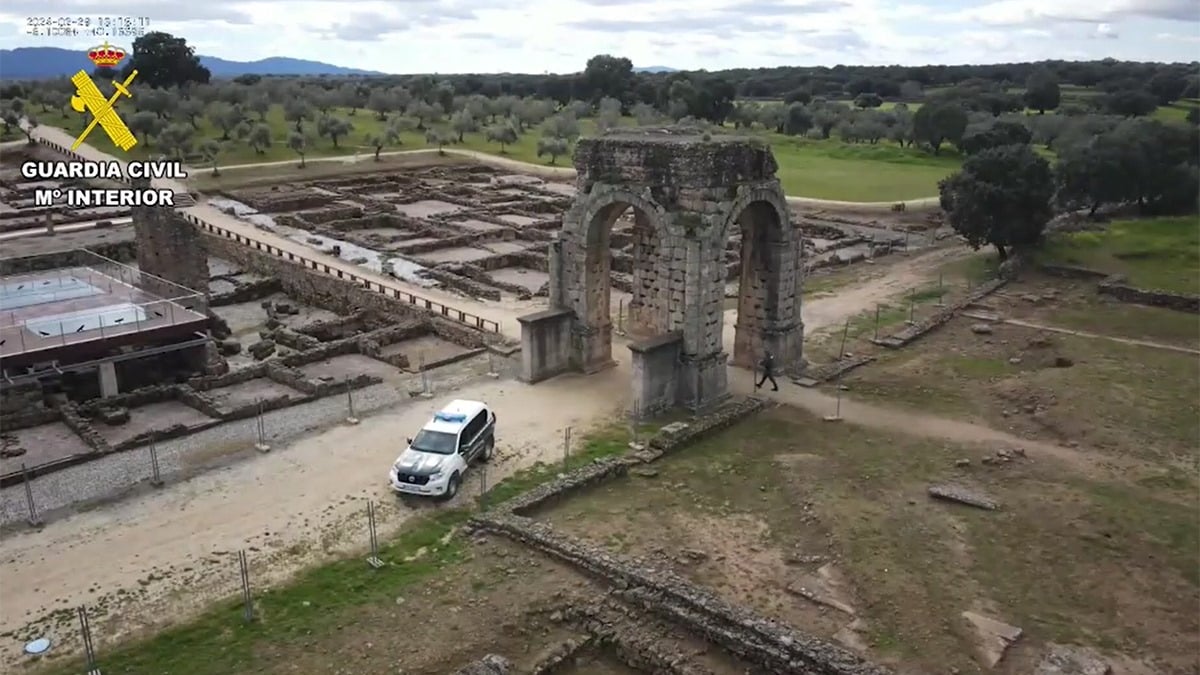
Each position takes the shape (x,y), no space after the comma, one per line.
(439,138)
(1042,92)
(396,128)
(503,133)
(938,122)
(261,104)
(995,135)
(799,120)
(298,145)
(210,150)
(1001,197)
(1168,85)
(163,60)
(1130,103)
(799,95)
(644,114)
(911,90)
(552,146)
(176,140)
(827,115)
(381,103)
(1192,116)
(225,117)
(156,101)
(259,138)
(463,123)
(189,109)
(376,141)
(868,100)
(145,124)
(422,112)
(334,128)
(563,125)
(606,75)
(296,110)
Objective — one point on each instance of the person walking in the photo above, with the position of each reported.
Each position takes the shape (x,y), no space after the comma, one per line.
(768,372)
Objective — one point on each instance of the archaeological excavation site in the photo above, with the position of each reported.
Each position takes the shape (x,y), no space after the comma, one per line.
(199,408)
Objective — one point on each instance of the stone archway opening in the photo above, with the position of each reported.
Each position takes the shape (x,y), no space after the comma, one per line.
(620,289)
(762,296)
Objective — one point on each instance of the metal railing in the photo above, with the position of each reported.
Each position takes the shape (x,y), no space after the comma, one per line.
(452,313)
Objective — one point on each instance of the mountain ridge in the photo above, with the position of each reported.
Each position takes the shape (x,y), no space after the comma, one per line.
(36,63)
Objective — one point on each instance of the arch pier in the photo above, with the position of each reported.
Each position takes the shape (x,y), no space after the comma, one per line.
(690,196)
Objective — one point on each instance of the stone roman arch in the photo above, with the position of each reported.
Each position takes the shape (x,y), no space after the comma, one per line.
(690,194)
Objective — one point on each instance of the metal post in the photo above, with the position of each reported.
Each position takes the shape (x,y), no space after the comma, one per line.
(350,417)
(247,599)
(876,321)
(89,648)
(426,389)
(373,560)
(34,519)
(566,446)
(493,372)
(621,316)
(912,304)
(941,292)
(842,349)
(261,445)
(155,472)
(906,240)
(635,417)
(62,333)
(837,411)
(482,480)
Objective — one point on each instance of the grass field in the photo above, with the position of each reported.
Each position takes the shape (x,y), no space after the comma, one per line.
(761,499)
(1154,253)
(816,169)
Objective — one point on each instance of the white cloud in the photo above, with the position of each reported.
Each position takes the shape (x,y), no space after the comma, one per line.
(405,36)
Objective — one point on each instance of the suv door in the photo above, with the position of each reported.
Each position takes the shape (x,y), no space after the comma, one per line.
(471,438)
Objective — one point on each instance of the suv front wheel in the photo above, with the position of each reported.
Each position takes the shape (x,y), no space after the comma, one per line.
(452,487)
(489,448)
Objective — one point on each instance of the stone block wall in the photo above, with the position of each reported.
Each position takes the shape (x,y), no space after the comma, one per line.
(1178,302)
(169,247)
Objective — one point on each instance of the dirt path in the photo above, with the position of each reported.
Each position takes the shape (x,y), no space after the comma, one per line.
(167,554)
(558,173)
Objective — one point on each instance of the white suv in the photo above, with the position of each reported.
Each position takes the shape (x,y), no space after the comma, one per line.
(435,461)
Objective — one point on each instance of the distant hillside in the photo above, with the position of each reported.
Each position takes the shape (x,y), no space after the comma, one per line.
(36,63)
(656,69)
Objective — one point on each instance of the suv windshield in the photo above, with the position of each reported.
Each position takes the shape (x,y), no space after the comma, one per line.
(437,442)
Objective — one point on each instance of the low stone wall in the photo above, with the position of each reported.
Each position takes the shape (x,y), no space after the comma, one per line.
(1178,302)
(1072,272)
(449,277)
(338,295)
(77,422)
(120,251)
(912,333)
(246,292)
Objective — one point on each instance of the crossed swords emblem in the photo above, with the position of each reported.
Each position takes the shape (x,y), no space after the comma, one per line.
(103,112)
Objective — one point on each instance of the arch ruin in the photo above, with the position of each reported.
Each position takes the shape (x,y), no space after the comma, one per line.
(692,196)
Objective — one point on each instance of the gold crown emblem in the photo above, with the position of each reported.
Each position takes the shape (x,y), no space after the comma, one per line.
(106,55)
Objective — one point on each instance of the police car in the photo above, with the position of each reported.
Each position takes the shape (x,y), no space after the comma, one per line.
(436,459)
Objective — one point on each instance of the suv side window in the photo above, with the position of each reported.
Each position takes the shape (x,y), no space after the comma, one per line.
(472,429)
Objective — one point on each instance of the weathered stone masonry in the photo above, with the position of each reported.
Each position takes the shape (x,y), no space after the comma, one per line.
(687,193)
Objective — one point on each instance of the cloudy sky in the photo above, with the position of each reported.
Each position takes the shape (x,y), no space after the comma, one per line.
(454,36)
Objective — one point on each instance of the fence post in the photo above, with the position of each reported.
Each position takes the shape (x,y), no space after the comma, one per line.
(351,418)
(34,519)
(876,321)
(89,648)
(941,292)
(261,444)
(426,387)
(247,599)
(566,446)
(842,349)
(155,472)
(373,560)
(635,417)
(482,482)
(493,372)
(912,305)
(837,411)
(621,316)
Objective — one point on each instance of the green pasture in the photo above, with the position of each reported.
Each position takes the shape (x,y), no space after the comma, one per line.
(808,168)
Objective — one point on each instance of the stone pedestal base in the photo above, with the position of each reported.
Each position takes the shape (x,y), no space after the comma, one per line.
(703,381)
(108,380)
(592,348)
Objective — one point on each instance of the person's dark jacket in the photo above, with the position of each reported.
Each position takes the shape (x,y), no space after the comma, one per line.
(768,364)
